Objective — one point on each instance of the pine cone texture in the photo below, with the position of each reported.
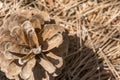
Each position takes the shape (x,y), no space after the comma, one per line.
(29,48)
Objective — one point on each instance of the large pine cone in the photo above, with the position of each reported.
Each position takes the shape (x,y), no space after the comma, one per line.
(31,49)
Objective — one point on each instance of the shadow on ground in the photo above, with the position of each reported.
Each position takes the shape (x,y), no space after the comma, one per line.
(83,64)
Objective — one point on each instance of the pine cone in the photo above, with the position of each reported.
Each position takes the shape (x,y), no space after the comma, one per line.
(27,44)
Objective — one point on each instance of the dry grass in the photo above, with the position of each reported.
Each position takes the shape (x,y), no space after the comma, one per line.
(94,34)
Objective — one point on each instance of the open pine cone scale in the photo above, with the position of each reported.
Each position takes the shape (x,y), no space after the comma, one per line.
(23,38)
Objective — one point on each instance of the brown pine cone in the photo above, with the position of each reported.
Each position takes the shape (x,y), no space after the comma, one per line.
(27,44)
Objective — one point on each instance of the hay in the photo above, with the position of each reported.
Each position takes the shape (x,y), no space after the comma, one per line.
(93,28)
